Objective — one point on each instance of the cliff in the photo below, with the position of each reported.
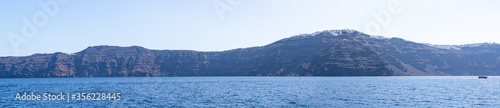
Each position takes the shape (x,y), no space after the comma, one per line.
(324,53)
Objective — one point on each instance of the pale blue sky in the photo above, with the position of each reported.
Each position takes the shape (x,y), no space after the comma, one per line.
(196,25)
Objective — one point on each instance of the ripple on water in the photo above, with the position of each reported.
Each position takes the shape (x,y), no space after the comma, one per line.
(265,91)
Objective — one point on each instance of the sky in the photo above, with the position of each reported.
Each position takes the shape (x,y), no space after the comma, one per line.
(47,26)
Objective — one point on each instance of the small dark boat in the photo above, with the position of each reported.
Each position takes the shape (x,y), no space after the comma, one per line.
(482,77)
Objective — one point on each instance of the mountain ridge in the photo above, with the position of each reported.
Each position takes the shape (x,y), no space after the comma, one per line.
(324,53)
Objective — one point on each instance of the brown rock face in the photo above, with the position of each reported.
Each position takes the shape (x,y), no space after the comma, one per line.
(326,53)
(112,61)
(38,65)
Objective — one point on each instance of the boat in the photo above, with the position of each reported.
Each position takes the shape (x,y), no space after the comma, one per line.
(482,77)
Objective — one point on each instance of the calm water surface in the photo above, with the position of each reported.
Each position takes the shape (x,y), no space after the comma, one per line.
(411,91)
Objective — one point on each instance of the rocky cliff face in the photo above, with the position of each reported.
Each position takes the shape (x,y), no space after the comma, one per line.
(325,53)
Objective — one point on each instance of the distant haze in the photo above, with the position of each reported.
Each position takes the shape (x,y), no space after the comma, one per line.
(216,25)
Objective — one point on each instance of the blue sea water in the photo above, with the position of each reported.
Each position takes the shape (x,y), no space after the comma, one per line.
(397,91)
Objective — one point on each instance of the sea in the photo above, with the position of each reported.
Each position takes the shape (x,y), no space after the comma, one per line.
(357,92)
